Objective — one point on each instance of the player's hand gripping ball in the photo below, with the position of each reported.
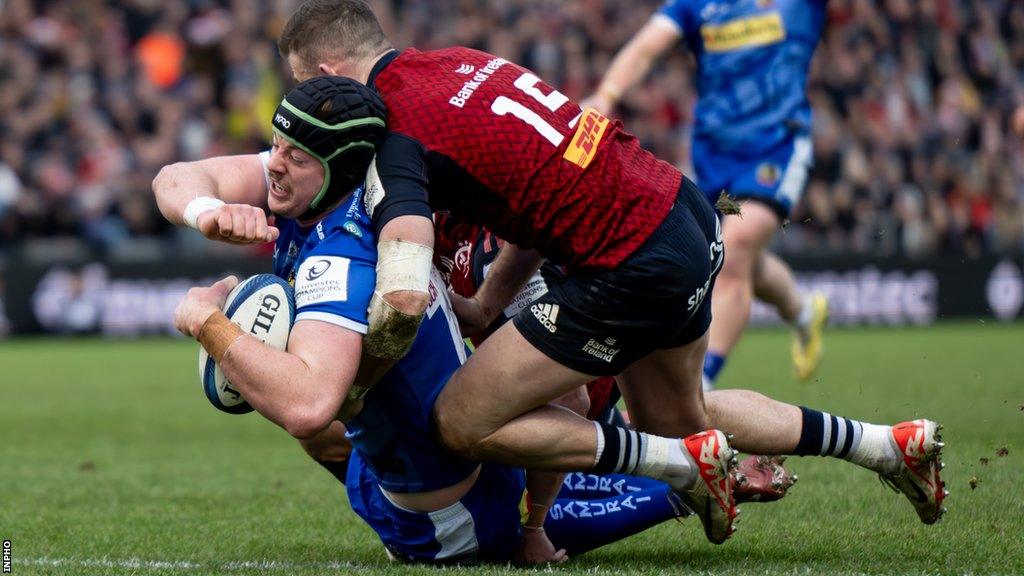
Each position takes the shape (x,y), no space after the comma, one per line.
(264,306)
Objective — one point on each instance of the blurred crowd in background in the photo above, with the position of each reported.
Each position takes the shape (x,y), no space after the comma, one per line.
(913,101)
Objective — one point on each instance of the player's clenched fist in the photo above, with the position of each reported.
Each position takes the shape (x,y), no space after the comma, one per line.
(237,224)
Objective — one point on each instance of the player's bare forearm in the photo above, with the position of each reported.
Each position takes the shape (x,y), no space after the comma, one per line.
(508,274)
(224,198)
(231,179)
(543,487)
(535,547)
(632,63)
(415,229)
(300,390)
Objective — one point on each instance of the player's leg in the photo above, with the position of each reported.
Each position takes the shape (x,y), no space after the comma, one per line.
(598,323)
(495,408)
(544,487)
(770,186)
(594,510)
(581,524)
(805,313)
(485,412)
(663,390)
(664,395)
(907,455)
(774,284)
(584,486)
(745,238)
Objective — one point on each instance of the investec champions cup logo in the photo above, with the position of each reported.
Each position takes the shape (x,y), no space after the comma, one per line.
(318,269)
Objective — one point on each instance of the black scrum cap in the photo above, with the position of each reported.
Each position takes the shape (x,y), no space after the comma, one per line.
(338,121)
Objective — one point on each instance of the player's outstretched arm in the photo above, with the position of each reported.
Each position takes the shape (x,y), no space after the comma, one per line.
(632,63)
(508,274)
(225,198)
(300,389)
(543,489)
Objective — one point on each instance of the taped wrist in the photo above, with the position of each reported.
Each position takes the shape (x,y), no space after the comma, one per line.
(218,334)
(391,332)
(196,207)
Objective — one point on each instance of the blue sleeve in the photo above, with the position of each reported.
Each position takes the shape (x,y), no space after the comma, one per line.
(335,281)
(679,12)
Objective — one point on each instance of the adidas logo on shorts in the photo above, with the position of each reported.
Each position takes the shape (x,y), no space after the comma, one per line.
(547,315)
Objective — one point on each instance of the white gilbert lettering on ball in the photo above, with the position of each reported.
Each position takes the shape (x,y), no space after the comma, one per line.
(321,279)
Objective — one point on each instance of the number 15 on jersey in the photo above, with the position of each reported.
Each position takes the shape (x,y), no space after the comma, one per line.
(588,135)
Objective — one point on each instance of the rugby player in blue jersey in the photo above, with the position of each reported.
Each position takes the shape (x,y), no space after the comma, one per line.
(751,139)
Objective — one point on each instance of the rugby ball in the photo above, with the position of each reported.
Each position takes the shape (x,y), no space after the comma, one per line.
(264,306)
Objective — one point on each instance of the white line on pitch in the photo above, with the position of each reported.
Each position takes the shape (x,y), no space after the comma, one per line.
(140,564)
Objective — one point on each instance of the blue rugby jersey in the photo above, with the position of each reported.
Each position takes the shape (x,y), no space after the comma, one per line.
(753,58)
(332,267)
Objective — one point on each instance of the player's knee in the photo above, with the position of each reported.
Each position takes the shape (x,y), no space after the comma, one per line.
(456,432)
(740,256)
(451,430)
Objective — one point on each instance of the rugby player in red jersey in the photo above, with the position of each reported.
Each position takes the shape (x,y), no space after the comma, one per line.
(486,139)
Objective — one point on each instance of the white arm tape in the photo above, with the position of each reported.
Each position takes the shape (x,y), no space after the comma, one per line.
(197,207)
(400,266)
(403,266)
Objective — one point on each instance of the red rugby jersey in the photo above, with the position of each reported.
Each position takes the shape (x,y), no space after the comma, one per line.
(487,140)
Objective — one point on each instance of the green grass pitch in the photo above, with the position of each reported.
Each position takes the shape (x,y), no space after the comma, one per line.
(112,462)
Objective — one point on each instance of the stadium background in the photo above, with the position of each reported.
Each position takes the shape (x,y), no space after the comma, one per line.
(914,209)
(914,214)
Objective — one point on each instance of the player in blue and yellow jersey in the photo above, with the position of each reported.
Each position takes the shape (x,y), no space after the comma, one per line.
(751,139)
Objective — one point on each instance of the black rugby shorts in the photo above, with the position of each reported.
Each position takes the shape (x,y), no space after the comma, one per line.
(600,322)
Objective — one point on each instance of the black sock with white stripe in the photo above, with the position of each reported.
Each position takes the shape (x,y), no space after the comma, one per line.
(826,435)
(621,450)
(867,445)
